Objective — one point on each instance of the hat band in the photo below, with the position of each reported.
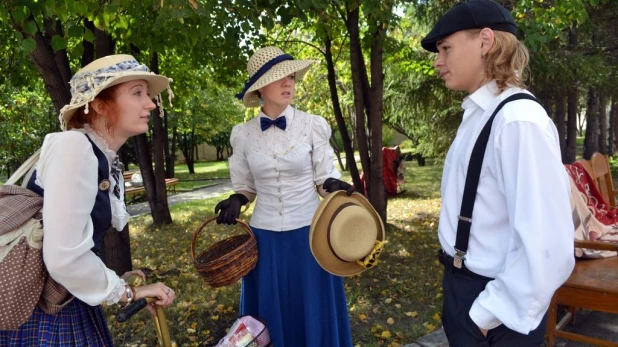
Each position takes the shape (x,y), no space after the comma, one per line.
(87,81)
(261,72)
(330,223)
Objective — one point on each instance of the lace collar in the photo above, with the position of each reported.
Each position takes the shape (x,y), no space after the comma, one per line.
(100,141)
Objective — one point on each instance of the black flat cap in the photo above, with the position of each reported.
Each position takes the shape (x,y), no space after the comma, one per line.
(473,14)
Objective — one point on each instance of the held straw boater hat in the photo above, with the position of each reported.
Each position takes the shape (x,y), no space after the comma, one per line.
(267,65)
(106,72)
(346,235)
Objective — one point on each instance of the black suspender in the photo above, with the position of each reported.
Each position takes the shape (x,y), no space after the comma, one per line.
(472,181)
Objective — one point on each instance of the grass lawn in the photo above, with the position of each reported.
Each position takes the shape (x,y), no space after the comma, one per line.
(205,175)
(390,305)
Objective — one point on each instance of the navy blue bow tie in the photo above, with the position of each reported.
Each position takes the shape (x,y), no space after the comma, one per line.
(266,123)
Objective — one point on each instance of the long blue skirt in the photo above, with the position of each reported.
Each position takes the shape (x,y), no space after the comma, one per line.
(77,324)
(302,304)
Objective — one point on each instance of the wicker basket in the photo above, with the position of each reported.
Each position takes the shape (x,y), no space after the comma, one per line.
(228,260)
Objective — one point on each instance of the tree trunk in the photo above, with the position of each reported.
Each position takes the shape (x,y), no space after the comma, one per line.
(591,142)
(343,130)
(571,133)
(561,126)
(161,210)
(88,55)
(116,250)
(45,62)
(337,151)
(173,150)
(105,43)
(358,67)
(186,147)
(613,116)
(169,156)
(602,123)
(377,192)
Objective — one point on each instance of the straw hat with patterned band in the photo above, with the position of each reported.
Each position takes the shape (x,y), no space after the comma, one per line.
(267,65)
(106,72)
(346,235)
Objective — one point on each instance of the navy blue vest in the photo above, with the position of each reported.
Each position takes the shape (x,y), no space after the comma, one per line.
(102,211)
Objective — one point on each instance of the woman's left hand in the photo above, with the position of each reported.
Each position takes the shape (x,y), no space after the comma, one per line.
(333,185)
(139,273)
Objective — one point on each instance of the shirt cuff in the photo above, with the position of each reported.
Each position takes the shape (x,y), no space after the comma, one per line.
(116,294)
(482,317)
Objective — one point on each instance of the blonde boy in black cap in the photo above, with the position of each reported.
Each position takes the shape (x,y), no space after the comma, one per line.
(505,226)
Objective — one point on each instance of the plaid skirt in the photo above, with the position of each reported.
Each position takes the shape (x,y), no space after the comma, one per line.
(78,324)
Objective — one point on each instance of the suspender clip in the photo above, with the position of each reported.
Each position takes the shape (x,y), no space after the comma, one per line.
(459,258)
(465,219)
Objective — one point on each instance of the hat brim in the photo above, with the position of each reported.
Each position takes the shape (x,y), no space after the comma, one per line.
(156,84)
(277,72)
(318,233)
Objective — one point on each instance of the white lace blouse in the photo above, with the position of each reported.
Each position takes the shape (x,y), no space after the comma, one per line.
(68,172)
(282,167)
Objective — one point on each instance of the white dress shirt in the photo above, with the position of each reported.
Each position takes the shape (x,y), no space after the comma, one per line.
(282,167)
(522,232)
(68,172)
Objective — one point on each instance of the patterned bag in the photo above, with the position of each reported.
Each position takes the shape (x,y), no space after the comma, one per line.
(24,281)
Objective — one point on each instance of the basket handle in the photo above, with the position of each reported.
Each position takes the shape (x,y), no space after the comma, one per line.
(242,223)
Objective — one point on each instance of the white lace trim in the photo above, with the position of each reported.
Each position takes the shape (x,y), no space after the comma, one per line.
(120,216)
(117,293)
(100,142)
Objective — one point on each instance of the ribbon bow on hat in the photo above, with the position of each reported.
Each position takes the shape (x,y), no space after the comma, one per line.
(266,123)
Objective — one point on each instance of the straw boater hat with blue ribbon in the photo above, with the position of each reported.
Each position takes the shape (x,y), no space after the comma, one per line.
(106,72)
(267,65)
(347,234)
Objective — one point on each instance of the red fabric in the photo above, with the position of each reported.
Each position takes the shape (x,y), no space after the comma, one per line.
(389,170)
(596,203)
(390,157)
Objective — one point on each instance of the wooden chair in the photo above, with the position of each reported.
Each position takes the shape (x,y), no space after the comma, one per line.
(593,286)
(593,282)
(603,177)
(586,164)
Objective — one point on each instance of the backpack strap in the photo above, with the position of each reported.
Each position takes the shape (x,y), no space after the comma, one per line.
(472,182)
(25,169)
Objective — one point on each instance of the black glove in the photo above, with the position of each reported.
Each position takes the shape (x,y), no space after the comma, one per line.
(333,184)
(230,208)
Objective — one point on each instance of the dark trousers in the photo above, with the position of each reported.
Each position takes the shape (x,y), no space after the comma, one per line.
(460,288)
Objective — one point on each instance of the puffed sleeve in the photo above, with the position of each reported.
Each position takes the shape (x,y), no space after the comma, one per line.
(68,173)
(322,155)
(242,178)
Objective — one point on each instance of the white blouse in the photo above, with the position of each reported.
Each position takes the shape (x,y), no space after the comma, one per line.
(283,168)
(68,172)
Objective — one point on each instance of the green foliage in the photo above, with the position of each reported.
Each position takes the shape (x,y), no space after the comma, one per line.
(26,116)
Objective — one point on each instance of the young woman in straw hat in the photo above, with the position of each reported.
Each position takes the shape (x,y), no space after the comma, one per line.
(78,175)
(281,156)
(507,243)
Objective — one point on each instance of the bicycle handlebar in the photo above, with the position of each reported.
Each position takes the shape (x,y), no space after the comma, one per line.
(130,310)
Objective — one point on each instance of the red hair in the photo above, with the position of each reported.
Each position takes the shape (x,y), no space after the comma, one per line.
(108,97)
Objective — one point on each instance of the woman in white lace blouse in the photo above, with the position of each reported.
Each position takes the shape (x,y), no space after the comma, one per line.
(283,158)
(78,175)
